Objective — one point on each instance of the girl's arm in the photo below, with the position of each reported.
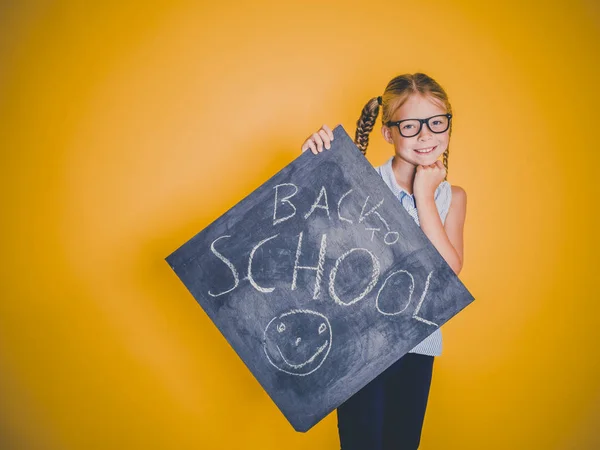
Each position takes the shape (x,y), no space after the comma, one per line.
(447,238)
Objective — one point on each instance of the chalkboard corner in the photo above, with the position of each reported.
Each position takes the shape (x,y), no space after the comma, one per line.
(301,426)
(339,127)
(169,259)
(340,131)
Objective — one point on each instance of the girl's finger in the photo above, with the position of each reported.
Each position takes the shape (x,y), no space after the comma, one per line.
(328,131)
(313,147)
(326,139)
(317,139)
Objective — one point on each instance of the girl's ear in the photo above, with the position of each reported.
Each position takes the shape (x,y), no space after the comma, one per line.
(387,134)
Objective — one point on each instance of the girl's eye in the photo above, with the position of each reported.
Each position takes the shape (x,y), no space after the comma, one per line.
(281,327)
(405,127)
(322,328)
(437,122)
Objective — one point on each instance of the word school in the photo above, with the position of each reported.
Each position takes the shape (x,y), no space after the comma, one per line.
(284,209)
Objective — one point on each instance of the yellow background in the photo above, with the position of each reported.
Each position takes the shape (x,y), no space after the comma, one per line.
(127,128)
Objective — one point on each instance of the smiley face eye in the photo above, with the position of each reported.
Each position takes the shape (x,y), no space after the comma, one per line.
(322,328)
(281,327)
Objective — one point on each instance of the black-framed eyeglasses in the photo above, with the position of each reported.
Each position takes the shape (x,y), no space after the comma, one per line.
(412,127)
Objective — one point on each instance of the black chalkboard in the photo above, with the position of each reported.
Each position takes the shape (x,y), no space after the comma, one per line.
(319,280)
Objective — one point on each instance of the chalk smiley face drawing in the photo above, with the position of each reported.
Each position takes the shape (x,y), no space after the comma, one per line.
(297,342)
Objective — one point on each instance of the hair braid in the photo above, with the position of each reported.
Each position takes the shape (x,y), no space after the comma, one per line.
(446,154)
(445,160)
(365,124)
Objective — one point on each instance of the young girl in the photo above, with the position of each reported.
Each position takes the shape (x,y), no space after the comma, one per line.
(417,120)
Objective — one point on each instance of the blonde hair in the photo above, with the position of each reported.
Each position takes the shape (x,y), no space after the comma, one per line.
(395,95)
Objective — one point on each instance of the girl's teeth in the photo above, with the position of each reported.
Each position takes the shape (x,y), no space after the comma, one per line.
(424,151)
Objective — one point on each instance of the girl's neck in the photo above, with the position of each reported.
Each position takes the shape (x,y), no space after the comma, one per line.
(404,173)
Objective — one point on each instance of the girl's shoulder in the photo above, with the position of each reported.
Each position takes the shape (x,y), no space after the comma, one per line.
(458,204)
(458,191)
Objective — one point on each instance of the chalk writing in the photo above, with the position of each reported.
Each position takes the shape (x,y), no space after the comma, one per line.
(297,342)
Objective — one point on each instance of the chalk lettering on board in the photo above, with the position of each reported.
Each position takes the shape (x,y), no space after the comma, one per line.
(316,204)
(418,308)
(393,239)
(344,219)
(370,286)
(285,199)
(298,342)
(382,219)
(250,277)
(373,231)
(363,216)
(318,268)
(236,278)
(410,293)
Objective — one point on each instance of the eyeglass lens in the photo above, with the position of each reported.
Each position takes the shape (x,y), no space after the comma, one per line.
(437,124)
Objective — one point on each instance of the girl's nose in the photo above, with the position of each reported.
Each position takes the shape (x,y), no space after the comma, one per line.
(425,132)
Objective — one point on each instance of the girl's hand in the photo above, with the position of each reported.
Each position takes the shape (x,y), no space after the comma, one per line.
(317,140)
(427,179)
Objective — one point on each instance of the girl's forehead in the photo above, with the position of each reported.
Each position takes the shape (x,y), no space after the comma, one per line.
(419,107)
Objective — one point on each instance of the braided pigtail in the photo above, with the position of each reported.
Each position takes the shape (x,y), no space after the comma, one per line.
(365,123)
(447,152)
(445,161)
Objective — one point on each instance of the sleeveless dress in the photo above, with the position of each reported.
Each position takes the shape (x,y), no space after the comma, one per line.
(432,344)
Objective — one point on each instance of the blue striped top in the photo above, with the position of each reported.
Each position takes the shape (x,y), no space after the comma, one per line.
(432,344)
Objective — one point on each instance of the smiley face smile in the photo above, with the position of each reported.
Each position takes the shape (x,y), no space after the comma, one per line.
(320,350)
(304,336)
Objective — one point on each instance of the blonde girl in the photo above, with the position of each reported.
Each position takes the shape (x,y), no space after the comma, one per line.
(388,413)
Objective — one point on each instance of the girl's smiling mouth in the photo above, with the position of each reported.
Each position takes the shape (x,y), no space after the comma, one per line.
(425,150)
